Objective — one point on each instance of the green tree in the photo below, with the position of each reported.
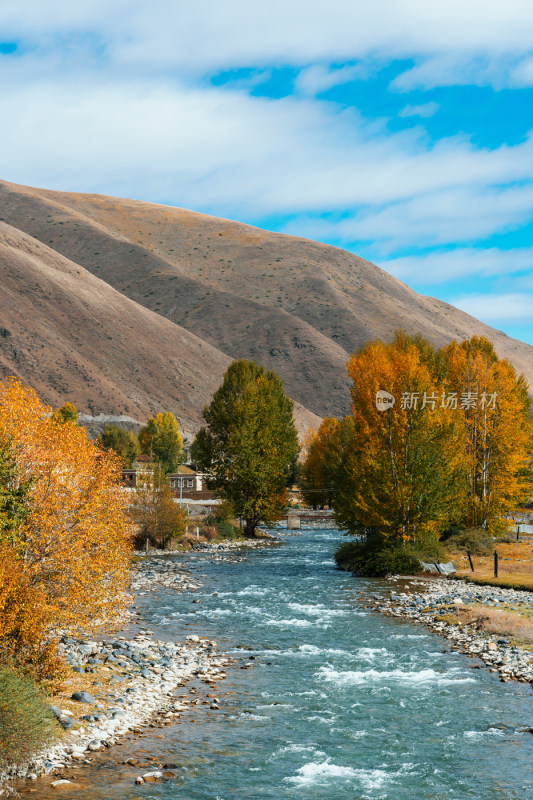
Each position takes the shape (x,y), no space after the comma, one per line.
(125,443)
(162,440)
(14,496)
(249,445)
(67,413)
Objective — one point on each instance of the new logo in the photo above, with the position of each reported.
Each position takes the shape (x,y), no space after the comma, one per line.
(384,400)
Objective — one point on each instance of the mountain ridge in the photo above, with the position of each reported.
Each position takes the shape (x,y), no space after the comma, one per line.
(298,306)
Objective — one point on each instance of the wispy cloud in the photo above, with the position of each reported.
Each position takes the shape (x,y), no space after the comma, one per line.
(225,151)
(424,110)
(460,263)
(319,78)
(482,40)
(498,308)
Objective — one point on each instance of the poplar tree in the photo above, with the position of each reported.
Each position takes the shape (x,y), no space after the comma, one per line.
(162,440)
(403,471)
(249,445)
(498,431)
(66,413)
(319,465)
(124,443)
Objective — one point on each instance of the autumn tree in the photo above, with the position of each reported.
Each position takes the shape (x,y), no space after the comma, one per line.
(403,467)
(157,515)
(249,445)
(64,564)
(495,409)
(319,464)
(124,443)
(161,439)
(66,413)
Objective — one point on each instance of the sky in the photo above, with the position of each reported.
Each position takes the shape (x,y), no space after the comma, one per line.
(401,130)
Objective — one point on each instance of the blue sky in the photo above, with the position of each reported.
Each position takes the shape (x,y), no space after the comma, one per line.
(400,130)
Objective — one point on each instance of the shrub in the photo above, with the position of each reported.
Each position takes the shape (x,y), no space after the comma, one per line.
(377,560)
(476,540)
(225,529)
(26,722)
(209,533)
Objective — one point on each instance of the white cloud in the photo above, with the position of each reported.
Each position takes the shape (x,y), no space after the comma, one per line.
(476,41)
(108,98)
(440,267)
(424,110)
(496,308)
(319,78)
(225,152)
(439,217)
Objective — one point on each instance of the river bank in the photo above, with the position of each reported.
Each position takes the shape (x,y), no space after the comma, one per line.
(324,699)
(122,683)
(455,610)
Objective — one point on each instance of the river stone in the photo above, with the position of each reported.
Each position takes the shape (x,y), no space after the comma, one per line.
(94,745)
(153,777)
(83,697)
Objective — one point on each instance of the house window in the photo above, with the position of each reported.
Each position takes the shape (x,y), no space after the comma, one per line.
(190,483)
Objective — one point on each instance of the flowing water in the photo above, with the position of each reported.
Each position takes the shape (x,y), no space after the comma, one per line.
(341,702)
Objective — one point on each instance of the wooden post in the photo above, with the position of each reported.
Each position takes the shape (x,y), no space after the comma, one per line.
(518,533)
(495,564)
(470,561)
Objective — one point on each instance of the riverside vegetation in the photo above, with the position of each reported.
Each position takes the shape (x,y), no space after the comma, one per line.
(452,455)
(67,530)
(64,556)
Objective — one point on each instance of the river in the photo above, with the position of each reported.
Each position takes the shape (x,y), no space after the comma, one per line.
(341,702)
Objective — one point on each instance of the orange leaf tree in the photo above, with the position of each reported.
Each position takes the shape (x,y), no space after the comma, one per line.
(498,430)
(71,552)
(318,466)
(402,473)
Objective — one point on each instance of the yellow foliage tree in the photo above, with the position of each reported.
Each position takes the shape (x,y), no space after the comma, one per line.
(72,551)
(494,403)
(403,467)
(161,438)
(316,475)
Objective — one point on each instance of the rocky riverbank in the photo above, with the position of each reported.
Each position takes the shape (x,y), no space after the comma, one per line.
(123,683)
(441,605)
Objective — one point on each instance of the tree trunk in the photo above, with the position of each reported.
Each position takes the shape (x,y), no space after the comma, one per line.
(249,528)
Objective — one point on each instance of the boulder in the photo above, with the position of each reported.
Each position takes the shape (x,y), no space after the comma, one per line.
(84,697)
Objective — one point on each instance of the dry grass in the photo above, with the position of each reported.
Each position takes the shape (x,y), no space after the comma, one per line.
(515,567)
(515,624)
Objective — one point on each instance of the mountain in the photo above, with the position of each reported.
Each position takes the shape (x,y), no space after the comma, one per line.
(70,335)
(297,306)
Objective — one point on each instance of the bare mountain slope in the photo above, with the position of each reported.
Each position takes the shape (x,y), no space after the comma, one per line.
(298,306)
(70,335)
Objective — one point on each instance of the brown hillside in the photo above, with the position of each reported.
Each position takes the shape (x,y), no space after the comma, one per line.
(298,306)
(70,335)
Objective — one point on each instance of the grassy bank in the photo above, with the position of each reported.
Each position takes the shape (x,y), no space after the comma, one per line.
(515,565)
